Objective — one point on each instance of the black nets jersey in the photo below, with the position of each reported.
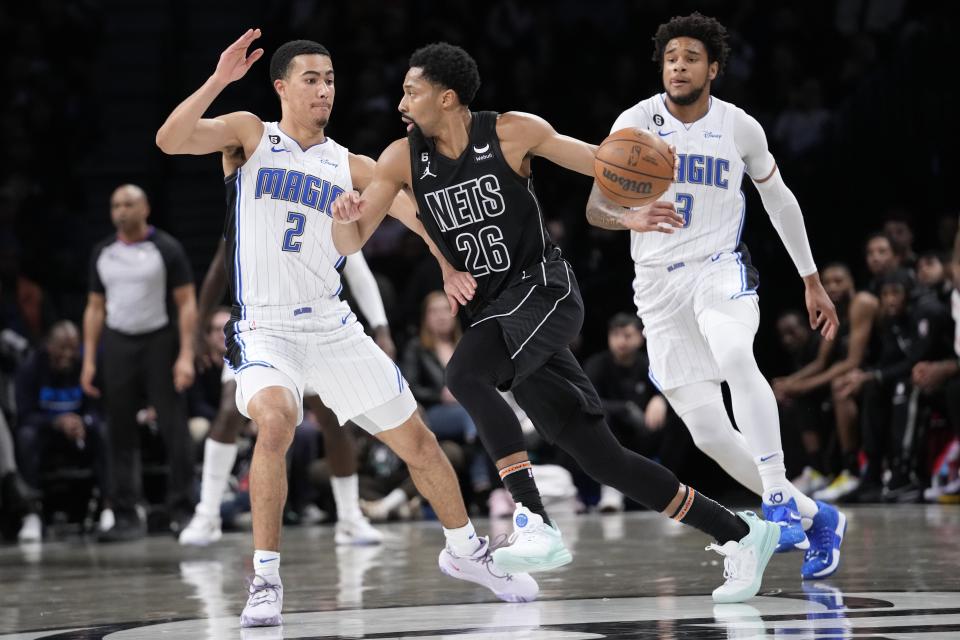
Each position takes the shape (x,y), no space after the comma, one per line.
(484,217)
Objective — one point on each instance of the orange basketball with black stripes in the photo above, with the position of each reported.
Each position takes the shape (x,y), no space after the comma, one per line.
(633,167)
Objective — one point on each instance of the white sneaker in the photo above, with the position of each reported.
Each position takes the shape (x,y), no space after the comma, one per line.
(809,481)
(32,529)
(107,520)
(842,485)
(480,568)
(358,531)
(745,560)
(611,500)
(534,545)
(263,605)
(312,514)
(201,531)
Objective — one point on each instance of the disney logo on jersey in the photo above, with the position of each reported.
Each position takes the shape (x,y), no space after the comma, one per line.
(296,186)
(711,134)
(466,203)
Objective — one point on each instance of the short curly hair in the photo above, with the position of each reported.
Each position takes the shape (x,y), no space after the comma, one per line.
(450,67)
(707,30)
(285,53)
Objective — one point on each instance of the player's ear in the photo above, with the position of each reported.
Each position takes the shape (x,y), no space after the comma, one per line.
(713,70)
(448,99)
(278,87)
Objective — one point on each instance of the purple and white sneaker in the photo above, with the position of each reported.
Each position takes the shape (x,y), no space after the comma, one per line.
(263,605)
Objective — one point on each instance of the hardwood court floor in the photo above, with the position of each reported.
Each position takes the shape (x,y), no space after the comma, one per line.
(633,576)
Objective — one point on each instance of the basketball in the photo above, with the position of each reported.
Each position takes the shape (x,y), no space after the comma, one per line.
(633,167)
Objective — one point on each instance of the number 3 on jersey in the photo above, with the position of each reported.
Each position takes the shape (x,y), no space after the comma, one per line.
(298,220)
(685,207)
(485,251)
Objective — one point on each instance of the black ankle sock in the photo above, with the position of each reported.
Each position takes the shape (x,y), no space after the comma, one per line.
(700,512)
(524,490)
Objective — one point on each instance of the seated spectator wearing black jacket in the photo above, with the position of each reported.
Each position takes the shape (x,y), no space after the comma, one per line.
(58,427)
(424,365)
(913,327)
(634,409)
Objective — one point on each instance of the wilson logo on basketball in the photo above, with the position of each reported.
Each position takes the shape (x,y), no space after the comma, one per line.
(644,187)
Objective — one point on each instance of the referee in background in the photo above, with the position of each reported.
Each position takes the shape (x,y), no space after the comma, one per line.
(141,287)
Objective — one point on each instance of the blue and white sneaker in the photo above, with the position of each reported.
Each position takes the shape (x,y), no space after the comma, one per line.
(787,516)
(826,536)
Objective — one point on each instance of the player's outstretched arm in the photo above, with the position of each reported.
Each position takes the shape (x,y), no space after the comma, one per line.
(358,214)
(535,136)
(185,131)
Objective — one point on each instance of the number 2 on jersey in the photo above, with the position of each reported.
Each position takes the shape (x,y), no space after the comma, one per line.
(685,207)
(299,221)
(485,251)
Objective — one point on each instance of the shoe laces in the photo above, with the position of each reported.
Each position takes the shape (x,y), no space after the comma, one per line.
(820,541)
(262,592)
(486,561)
(731,562)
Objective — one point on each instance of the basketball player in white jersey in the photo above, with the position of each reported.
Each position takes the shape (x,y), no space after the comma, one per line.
(696,290)
(289,328)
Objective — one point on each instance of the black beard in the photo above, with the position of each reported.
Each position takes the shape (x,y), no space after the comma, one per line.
(688,99)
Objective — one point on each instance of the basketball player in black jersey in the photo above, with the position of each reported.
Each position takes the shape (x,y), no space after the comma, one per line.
(470,173)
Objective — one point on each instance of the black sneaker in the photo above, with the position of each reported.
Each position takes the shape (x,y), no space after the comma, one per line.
(125,529)
(906,492)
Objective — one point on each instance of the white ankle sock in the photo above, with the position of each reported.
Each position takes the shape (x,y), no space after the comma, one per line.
(346,494)
(218,459)
(773,473)
(266,564)
(463,541)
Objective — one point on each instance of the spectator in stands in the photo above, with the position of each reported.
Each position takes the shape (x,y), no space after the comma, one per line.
(898,226)
(57,425)
(141,288)
(911,329)
(424,366)
(203,397)
(881,259)
(634,409)
(942,377)
(810,415)
(932,273)
(835,358)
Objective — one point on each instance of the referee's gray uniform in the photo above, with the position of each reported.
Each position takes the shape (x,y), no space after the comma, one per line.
(140,345)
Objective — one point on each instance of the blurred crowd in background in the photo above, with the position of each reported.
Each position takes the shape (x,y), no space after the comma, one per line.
(856,113)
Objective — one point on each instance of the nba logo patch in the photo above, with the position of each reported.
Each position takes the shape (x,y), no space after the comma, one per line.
(274,139)
(522,520)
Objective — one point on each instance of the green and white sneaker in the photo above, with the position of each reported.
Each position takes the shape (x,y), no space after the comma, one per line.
(745,560)
(534,545)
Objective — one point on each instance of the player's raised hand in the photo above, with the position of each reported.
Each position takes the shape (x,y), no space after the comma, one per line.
(659,216)
(823,315)
(346,208)
(234,61)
